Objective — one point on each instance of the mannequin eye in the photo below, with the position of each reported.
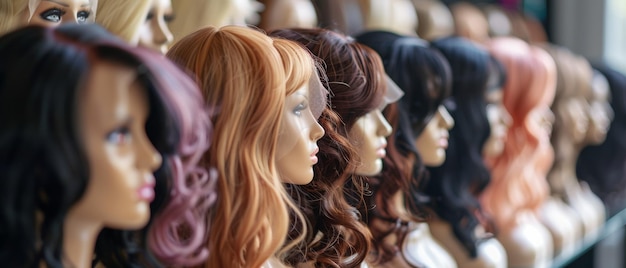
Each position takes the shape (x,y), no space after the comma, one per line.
(119,136)
(83,16)
(169,18)
(52,15)
(298,110)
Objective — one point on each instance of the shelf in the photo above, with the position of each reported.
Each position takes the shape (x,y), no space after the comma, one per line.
(612,225)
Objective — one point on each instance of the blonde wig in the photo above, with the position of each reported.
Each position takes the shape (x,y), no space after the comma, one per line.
(241,73)
(124,17)
(519,173)
(12,13)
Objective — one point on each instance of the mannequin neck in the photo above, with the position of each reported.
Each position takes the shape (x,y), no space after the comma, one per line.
(79,240)
(564,170)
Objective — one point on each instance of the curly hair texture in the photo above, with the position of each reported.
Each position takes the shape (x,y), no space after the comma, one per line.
(49,171)
(332,200)
(424,76)
(519,173)
(179,231)
(241,74)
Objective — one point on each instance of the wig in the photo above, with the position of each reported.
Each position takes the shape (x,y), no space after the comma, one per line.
(518,174)
(179,231)
(455,185)
(435,19)
(424,75)
(241,73)
(602,166)
(355,81)
(12,14)
(123,18)
(45,166)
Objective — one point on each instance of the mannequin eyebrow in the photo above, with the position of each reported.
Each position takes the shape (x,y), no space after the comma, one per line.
(64,4)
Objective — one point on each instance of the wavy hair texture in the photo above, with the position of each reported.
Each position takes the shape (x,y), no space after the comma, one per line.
(179,231)
(241,74)
(455,185)
(123,18)
(424,76)
(356,87)
(519,173)
(44,166)
(12,13)
(602,166)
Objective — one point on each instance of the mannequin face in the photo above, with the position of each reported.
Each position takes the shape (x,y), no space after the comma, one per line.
(56,12)
(600,112)
(122,159)
(155,33)
(369,136)
(499,122)
(433,141)
(297,146)
(246,11)
(573,115)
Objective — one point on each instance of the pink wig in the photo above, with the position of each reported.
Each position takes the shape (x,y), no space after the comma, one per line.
(519,173)
(179,231)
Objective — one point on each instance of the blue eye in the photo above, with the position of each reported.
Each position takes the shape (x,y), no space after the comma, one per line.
(52,15)
(298,110)
(120,135)
(83,16)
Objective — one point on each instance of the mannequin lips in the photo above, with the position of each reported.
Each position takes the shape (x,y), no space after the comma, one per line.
(443,141)
(313,155)
(381,152)
(146,191)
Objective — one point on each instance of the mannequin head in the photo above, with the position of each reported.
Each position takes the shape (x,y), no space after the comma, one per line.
(600,112)
(341,16)
(432,143)
(424,76)
(280,14)
(397,16)
(228,64)
(435,19)
(570,105)
(155,32)
(356,81)
(123,18)
(527,155)
(125,169)
(455,185)
(499,118)
(470,22)
(602,165)
(355,78)
(16,13)
(197,14)
(497,20)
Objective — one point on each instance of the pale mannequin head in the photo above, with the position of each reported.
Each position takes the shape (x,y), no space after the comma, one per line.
(435,19)
(16,13)
(197,14)
(600,111)
(433,141)
(499,118)
(280,14)
(397,16)
(155,33)
(299,130)
(369,135)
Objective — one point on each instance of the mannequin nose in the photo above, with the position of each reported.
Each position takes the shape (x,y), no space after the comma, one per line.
(163,36)
(317,132)
(446,119)
(384,129)
(505,116)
